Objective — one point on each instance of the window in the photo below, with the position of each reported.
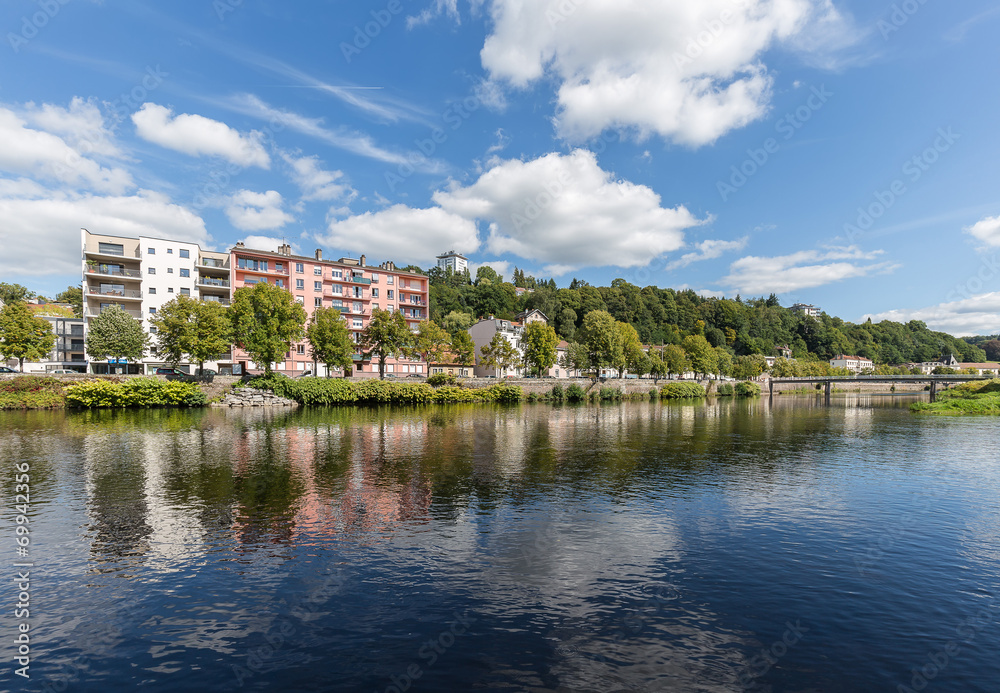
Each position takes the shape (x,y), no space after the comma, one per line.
(389,294)
(318,301)
(170,290)
(374,306)
(357,323)
(184,252)
(170,251)
(337,303)
(357,308)
(152,291)
(152,311)
(185,292)
(253,265)
(279,283)
(336,274)
(318,271)
(375,293)
(338,289)
(279,267)
(152,330)
(152,270)
(300,284)
(151,251)
(170,270)
(374,279)
(301,300)
(389,279)
(317,286)
(300,349)
(299,268)
(185,272)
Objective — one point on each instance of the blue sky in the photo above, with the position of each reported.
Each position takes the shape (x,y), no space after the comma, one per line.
(837,153)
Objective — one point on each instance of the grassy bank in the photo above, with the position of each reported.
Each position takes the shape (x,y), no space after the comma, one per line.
(979,398)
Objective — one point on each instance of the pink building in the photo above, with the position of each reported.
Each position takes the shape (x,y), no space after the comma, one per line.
(349,285)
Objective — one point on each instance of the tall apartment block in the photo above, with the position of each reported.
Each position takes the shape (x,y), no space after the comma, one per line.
(140,275)
(351,286)
(458,263)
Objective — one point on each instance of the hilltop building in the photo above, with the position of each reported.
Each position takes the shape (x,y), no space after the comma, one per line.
(458,263)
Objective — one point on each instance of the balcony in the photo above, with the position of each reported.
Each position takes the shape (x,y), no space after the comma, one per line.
(213,265)
(94,251)
(224,302)
(114,271)
(269,270)
(358,280)
(94,312)
(220,283)
(128,295)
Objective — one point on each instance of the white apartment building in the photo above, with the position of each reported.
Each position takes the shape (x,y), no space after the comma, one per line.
(482,333)
(853,363)
(142,274)
(809,310)
(458,263)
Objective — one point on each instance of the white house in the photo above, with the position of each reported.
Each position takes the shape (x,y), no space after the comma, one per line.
(852,363)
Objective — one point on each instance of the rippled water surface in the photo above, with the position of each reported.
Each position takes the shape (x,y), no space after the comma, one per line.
(638,547)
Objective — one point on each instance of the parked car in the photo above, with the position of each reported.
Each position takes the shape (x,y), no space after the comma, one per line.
(305,374)
(207,371)
(414,375)
(62,371)
(4,369)
(171,371)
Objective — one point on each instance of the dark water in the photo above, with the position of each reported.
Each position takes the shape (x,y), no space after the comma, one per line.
(636,547)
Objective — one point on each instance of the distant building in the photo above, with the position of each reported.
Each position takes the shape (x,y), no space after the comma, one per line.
(529,316)
(857,364)
(982,368)
(458,263)
(448,363)
(482,333)
(68,352)
(809,310)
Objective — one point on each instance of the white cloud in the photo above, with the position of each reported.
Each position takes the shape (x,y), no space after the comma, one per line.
(803,270)
(403,234)
(81,125)
(987,230)
(268,243)
(253,211)
(448,8)
(688,71)
(976,315)
(51,227)
(197,135)
(566,211)
(708,250)
(38,153)
(316,183)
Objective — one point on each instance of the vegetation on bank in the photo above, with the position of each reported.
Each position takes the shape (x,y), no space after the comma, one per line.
(981,397)
(32,392)
(134,393)
(337,391)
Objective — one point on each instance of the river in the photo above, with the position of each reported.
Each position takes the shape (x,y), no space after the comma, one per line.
(718,546)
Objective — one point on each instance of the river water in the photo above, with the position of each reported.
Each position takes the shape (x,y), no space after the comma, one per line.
(723,546)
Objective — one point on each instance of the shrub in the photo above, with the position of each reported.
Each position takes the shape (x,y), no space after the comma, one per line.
(575,393)
(337,391)
(532,397)
(747,390)
(439,379)
(135,393)
(682,391)
(610,394)
(654,393)
(726,390)
(558,395)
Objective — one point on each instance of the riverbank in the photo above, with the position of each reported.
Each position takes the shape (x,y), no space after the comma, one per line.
(980,398)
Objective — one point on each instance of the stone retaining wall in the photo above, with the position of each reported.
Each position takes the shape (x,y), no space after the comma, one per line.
(248,397)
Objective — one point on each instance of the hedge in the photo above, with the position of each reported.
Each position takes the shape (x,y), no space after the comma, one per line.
(135,393)
(726,390)
(747,389)
(682,391)
(32,392)
(337,391)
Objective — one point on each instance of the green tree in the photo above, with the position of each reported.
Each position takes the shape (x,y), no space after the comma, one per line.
(540,342)
(330,341)
(657,368)
(14,293)
(675,360)
(386,334)
(22,335)
(499,354)
(463,348)
(456,321)
(701,353)
(785,368)
(114,334)
(265,321)
(431,341)
(603,339)
(575,358)
(749,366)
(723,362)
(73,295)
(199,329)
(632,355)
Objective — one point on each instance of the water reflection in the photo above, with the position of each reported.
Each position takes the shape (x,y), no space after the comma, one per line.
(643,546)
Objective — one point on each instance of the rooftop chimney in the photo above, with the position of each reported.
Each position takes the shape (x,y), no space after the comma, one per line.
(319,254)
(362,260)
